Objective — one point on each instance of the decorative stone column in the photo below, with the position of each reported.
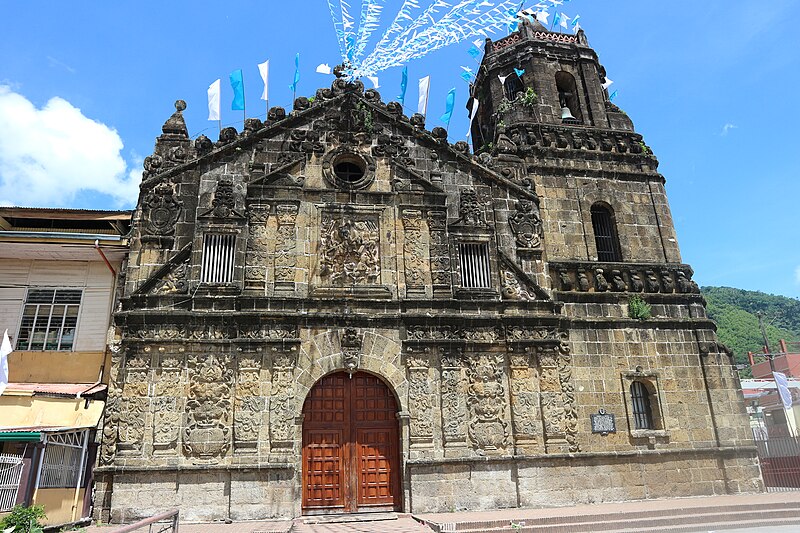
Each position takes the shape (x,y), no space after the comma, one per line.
(441,277)
(525,415)
(281,405)
(285,248)
(414,253)
(420,399)
(454,404)
(257,247)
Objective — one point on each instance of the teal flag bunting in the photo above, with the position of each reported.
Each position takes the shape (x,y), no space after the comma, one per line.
(293,86)
(403,86)
(519,72)
(237,84)
(449,106)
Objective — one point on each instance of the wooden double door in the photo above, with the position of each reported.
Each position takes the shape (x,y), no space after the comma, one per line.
(351,459)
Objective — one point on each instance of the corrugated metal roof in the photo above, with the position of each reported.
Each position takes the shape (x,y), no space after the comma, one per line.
(58,389)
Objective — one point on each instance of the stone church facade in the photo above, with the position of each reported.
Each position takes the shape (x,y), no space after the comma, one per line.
(336,310)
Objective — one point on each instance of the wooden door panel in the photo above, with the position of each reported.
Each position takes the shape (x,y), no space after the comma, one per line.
(324,469)
(350,445)
(377,453)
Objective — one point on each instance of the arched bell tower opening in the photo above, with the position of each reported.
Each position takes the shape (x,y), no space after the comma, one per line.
(568,98)
(351,446)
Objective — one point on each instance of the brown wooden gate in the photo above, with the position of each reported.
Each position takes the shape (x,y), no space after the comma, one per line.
(350,446)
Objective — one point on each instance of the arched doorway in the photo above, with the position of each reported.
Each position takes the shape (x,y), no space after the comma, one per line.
(351,459)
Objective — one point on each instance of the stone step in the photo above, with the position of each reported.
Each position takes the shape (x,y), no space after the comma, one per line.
(620,520)
(715,526)
(348,518)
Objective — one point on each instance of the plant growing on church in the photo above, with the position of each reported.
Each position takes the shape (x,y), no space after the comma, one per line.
(529,99)
(638,309)
(504,106)
(24,519)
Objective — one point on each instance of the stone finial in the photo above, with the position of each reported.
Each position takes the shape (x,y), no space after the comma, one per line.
(175,126)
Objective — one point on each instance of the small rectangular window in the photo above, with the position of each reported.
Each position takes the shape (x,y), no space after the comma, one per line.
(49,319)
(218,258)
(605,235)
(475,270)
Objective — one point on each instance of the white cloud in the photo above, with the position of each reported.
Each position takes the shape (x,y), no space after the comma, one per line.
(728,127)
(48,155)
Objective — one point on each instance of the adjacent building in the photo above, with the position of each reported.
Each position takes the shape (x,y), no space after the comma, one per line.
(58,276)
(337,310)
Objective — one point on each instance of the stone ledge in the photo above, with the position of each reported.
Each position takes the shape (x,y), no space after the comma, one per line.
(193,468)
(730,451)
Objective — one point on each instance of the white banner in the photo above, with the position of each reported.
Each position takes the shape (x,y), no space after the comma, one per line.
(424,89)
(5,349)
(213,101)
(263,69)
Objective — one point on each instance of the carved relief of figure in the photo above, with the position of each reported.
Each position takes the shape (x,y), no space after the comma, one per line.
(600,283)
(566,281)
(667,284)
(349,251)
(683,283)
(526,225)
(583,281)
(512,288)
(636,282)
(652,281)
(617,282)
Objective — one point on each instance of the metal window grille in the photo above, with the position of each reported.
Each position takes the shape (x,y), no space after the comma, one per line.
(512,87)
(61,464)
(49,319)
(475,270)
(642,415)
(10,475)
(605,235)
(218,258)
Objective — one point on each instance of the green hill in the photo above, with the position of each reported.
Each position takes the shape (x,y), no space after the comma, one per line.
(734,311)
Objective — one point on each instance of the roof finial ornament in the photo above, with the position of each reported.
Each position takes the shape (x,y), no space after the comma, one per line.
(180,105)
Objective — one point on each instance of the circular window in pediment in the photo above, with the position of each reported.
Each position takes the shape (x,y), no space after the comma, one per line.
(348,170)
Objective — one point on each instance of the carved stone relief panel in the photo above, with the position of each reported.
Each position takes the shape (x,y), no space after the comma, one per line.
(281,404)
(249,404)
(167,404)
(286,248)
(454,404)
(526,224)
(524,400)
(134,404)
(440,255)
(420,400)
(486,396)
(557,398)
(349,249)
(415,252)
(208,407)
(160,210)
(255,271)
(350,341)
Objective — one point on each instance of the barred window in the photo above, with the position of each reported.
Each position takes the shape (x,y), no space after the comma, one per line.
(512,87)
(642,413)
(218,258)
(49,319)
(475,270)
(62,461)
(605,234)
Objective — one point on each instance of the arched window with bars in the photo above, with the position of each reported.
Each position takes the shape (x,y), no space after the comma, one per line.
(642,410)
(605,234)
(513,87)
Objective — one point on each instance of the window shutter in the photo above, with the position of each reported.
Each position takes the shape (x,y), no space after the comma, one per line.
(218,258)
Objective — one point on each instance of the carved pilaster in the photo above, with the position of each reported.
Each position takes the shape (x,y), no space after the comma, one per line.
(524,401)
(285,248)
(281,405)
(249,405)
(420,400)
(454,405)
(557,398)
(134,403)
(257,247)
(488,428)
(440,255)
(168,403)
(414,252)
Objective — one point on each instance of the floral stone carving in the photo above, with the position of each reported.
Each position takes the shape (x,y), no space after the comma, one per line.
(419,399)
(486,397)
(208,408)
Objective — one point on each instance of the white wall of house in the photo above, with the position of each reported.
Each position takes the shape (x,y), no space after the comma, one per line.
(94,277)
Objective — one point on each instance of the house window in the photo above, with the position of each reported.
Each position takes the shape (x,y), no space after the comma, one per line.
(605,234)
(642,413)
(63,459)
(49,319)
(218,258)
(512,87)
(475,270)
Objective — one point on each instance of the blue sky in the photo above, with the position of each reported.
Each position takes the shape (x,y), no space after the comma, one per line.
(85,88)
